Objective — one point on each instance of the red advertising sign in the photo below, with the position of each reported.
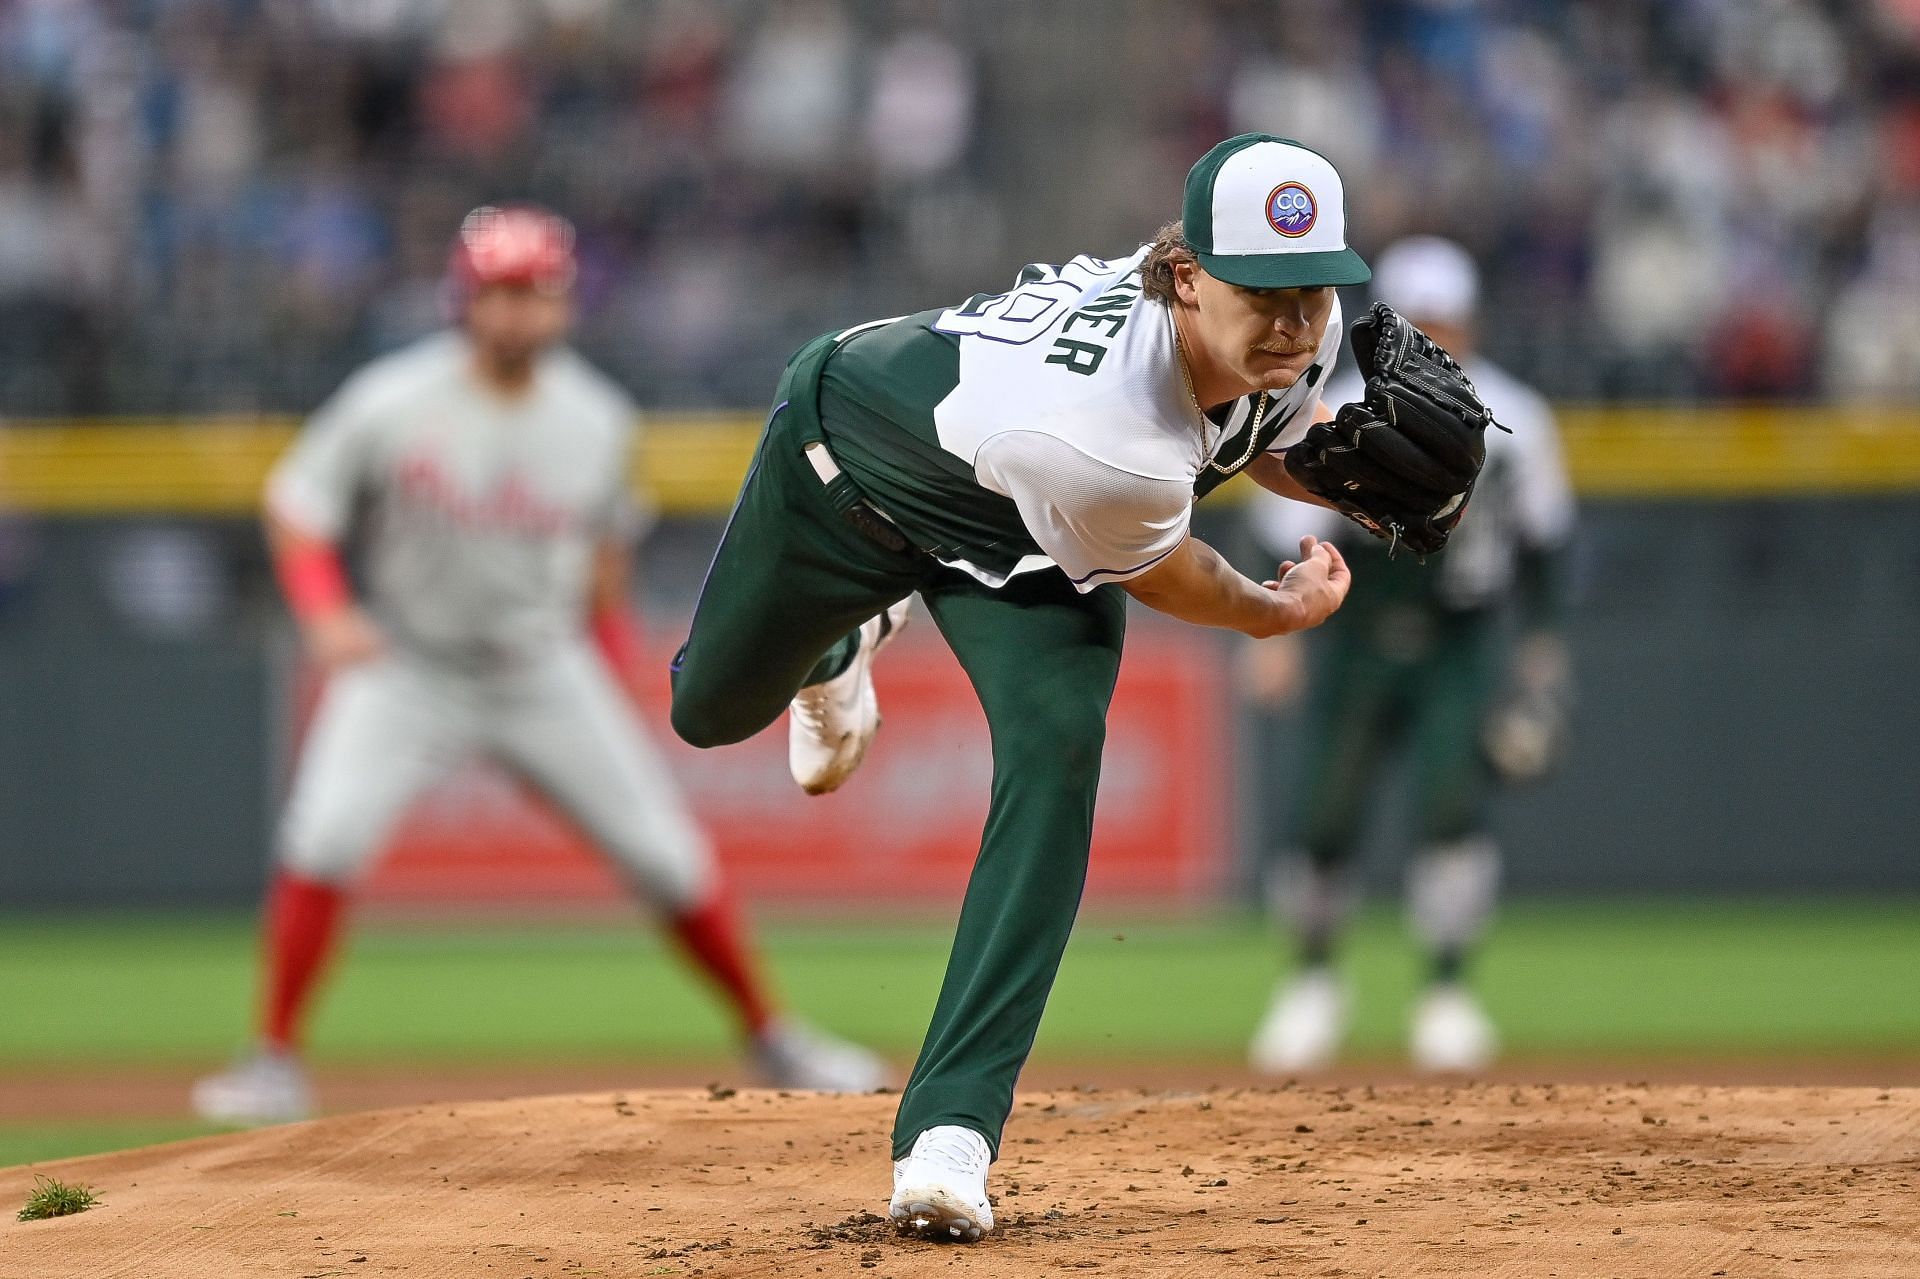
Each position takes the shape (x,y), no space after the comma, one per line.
(906,826)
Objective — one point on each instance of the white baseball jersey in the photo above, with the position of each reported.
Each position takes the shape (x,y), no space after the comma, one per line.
(479,513)
(1523,499)
(1063,397)
(480,516)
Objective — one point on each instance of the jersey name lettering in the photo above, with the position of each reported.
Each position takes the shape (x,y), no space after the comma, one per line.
(1106,317)
(1044,299)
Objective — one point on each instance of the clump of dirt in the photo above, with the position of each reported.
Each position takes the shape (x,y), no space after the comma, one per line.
(860,1228)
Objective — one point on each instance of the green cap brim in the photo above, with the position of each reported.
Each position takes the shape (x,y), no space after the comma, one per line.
(1286,270)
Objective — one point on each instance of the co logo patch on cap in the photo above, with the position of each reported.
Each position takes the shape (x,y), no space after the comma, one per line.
(1292,210)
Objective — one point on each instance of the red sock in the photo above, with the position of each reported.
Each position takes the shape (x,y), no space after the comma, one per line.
(711,934)
(303,918)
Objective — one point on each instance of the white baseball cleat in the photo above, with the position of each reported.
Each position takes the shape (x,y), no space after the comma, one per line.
(831,724)
(1451,1033)
(268,1087)
(1303,1026)
(940,1188)
(791,1054)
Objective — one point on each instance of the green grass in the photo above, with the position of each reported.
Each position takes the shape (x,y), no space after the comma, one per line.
(1620,980)
(1614,979)
(50,1198)
(1617,978)
(32,1143)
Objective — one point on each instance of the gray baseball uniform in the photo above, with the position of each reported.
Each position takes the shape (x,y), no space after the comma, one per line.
(478,517)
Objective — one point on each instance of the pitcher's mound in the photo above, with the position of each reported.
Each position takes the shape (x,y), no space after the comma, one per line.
(1403,1181)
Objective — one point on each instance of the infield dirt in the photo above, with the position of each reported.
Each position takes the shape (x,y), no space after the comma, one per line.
(1588,1180)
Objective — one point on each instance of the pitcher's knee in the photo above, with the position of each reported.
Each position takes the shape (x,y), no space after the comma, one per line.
(1064,742)
(705,722)
(694,727)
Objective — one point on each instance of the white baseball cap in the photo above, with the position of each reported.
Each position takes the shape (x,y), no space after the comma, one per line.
(1426,278)
(1266,212)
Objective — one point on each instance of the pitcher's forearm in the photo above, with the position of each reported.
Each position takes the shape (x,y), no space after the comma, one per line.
(1197,585)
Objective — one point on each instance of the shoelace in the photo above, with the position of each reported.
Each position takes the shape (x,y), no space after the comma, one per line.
(960,1149)
(810,704)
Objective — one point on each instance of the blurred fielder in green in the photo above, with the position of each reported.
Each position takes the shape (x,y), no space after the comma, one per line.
(1458,664)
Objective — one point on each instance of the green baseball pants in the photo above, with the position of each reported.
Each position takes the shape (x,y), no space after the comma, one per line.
(1366,704)
(791,579)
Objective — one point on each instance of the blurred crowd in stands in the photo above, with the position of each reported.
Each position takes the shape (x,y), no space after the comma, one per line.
(223,205)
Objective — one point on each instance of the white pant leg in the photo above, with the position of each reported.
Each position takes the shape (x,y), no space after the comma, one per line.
(383,733)
(567,728)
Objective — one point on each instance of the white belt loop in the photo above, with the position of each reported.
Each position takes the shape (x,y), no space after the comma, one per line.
(822,462)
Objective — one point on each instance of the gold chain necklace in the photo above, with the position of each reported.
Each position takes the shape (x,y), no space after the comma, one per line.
(1206,445)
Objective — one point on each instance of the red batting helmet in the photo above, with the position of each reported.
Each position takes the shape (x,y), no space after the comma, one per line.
(511,244)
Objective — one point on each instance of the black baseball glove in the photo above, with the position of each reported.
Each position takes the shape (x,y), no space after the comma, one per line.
(1402,461)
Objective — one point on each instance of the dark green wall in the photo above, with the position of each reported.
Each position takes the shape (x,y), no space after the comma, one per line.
(1749,707)
(1750,703)
(131,766)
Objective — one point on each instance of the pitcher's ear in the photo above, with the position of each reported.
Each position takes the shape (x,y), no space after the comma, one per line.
(1185,276)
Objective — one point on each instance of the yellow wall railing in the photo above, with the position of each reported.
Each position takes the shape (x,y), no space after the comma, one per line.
(1742,452)
(692,463)
(688,463)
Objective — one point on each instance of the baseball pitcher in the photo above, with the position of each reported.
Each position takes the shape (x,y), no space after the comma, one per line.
(1025,461)
(484,471)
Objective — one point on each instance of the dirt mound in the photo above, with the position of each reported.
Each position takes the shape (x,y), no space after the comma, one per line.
(1400,1181)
